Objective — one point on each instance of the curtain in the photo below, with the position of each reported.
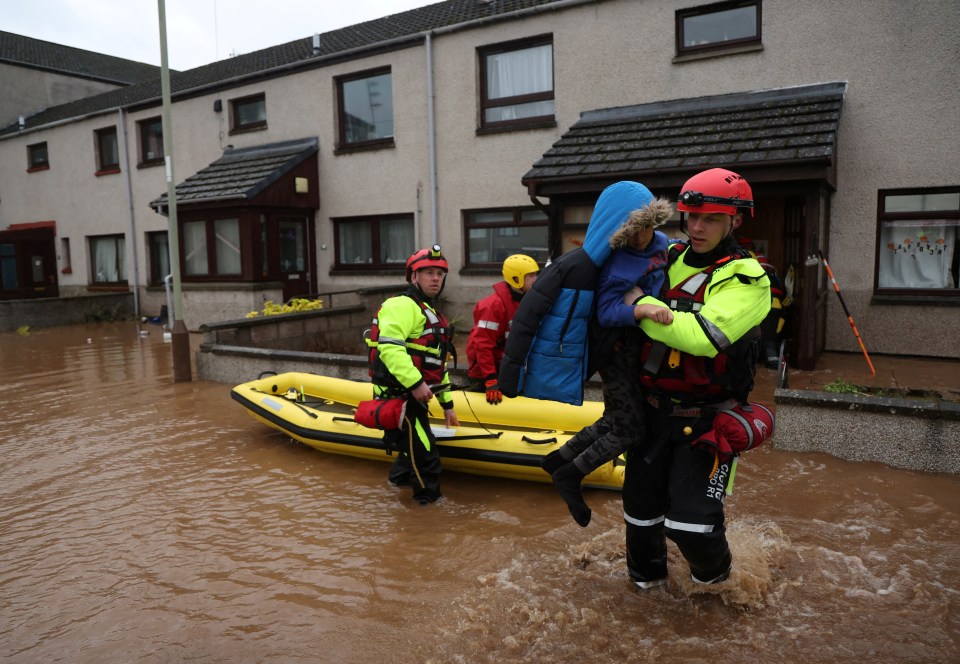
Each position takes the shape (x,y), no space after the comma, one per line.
(227,233)
(396,240)
(355,243)
(519,73)
(195,248)
(917,254)
(108,260)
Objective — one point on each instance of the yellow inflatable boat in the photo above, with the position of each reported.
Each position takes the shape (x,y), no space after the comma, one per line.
(507,440)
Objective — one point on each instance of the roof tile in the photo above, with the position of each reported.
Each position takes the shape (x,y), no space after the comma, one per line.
(242,173)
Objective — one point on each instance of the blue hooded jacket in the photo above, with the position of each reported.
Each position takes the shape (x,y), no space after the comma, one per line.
(547,355)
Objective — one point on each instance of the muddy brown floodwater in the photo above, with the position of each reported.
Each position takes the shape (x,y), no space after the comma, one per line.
(149,521)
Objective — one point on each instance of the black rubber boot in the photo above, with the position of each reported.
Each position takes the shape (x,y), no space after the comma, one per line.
(568,479)
(552,462)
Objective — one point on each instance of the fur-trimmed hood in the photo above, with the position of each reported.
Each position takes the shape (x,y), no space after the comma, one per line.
(653,214)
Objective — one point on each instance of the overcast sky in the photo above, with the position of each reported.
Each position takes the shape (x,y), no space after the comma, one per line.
(198,31)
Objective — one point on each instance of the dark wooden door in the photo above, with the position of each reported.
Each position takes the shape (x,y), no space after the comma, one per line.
(28,264)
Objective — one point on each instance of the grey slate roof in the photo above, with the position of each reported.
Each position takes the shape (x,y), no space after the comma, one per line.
(768,127)
(334,45)
(47,56)
(242,173)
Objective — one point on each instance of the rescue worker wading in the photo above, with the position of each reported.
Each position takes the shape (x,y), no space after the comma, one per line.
(703,362)
(409,345)
(492,317)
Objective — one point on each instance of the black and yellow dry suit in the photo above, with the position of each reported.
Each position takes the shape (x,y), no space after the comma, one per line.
(409,345)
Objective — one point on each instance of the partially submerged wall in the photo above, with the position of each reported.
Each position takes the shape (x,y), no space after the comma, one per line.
(914,434)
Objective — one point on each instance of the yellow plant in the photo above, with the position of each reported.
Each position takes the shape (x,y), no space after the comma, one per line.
(296,305)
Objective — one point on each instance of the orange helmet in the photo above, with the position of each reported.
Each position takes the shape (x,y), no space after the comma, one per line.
(426,258)
(715,190)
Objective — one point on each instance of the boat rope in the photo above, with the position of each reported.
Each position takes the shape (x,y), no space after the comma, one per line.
(413,458)
(466,397)
(283,396)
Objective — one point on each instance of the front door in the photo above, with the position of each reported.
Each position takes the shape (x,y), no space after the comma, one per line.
(293,255)
(28,264)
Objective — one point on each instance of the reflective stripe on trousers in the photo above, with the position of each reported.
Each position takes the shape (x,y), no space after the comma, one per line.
(669,523)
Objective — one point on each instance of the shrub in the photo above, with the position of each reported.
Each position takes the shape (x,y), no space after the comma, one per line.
(295,305)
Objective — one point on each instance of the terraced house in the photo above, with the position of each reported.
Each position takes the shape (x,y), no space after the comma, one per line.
(490,127)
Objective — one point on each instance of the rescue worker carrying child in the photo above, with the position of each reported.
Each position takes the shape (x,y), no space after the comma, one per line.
(696,373)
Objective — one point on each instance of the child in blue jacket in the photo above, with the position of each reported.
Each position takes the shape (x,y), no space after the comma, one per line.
(638,258)
(549,353)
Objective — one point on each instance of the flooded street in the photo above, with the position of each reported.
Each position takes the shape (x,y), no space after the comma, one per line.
(147,521)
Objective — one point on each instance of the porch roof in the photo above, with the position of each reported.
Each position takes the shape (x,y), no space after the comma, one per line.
(241,173)
(663,142)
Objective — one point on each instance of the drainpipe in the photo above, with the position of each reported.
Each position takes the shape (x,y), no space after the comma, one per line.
(132,249)
(431,131)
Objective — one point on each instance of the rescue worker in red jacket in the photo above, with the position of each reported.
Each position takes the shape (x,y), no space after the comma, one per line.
(492,317)
(703,362)
(409,344)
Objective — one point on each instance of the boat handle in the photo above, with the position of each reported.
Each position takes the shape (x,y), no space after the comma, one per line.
(547,441)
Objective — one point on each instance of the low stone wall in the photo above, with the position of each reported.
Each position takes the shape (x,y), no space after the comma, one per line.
(913,434)
(57,311)
(338,327)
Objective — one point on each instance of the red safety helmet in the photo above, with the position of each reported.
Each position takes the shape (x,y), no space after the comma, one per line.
(426,258)
(715,190)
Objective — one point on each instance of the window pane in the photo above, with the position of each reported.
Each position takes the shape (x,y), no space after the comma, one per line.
(917,254)
(478,218)
(251,112)
(922,202)
(519,111)
(37,155)
(527,71)
(396,240)
(107,144)
(36,266)
(159,256)
(8,267)
(107,254)
(356,243)
(493,245)
(227,233)
(264,246)
(368,108)
(719,27)
(195,248)
(293,249)
(151,140)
